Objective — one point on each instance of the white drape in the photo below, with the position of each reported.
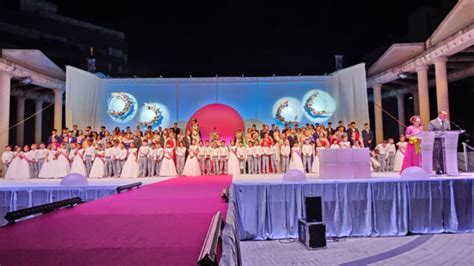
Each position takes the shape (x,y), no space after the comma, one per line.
(84,98)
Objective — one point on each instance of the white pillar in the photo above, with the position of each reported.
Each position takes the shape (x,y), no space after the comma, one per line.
(442,95)
(38,119)
(378,113)
(5,83)
(401,112)
(423,94)
(58,109)
(20,116)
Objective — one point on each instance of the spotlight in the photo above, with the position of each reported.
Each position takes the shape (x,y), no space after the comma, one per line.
(403,75)
(25,80)
(410,98)
(128,187)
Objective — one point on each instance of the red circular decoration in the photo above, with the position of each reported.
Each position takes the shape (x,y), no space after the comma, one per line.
(223,117)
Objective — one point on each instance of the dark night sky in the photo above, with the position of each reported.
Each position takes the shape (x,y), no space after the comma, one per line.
(230,38)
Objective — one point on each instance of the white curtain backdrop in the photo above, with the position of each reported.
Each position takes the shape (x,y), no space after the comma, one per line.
(349,86)
(84,98)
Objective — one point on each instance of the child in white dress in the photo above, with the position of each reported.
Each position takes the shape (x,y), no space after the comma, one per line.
(191,167)
(7,157)
(98,167)
(130,168)
(47,170)
(233,163)
(400,154)
(295,161)
(168,168)
(19,167)
(77,157)
(62,165)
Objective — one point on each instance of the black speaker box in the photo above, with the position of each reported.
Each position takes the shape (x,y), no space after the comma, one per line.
(313,209)
(312,234)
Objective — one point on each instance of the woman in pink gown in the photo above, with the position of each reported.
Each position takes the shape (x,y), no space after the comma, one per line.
(412,152)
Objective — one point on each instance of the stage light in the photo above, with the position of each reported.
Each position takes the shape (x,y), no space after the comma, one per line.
(225,194)
(208,255)
(403,75)
(12,217)
(25,80)
(128,187)
(410,98)
(190,76)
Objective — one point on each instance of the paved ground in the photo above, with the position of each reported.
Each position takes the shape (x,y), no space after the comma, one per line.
(441,249)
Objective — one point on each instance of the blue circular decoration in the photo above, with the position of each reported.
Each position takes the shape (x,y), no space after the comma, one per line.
(287,110)
(153,114)
(318,106)
(122,107)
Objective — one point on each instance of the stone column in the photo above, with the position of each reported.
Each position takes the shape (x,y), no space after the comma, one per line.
(401,112)
(423,94)
(20,116)
(58,109)
(38,119)
(442,95)
(5,86)
(378,113)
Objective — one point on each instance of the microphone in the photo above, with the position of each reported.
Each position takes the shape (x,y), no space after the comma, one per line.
(460,128)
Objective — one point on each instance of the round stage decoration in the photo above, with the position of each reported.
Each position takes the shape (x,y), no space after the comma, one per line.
(153,114)
(287,110)
(294,175)
(319,106)
(224,118)
(74,179)
(122,107)
(414,172)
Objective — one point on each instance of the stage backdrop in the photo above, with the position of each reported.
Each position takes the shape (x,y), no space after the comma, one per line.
(95,101)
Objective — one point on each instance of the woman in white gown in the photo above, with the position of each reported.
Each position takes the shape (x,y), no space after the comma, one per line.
(62,165)
(77,158)
(168,168)
(19,167)
(315,166)
(233,162)
(130,168)
(192,168)
(295,161)
(98,167)
(400,154)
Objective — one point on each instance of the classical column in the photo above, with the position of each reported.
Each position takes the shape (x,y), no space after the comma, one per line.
(423,94)
(378,113)
(416,103)
(5,83)
(38,119)
(442,95)
(20,116)
(58,109)
(401,112)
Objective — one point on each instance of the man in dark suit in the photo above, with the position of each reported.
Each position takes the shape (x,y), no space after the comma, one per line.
(441,123)
(353,133)
(175,128)
(54,135)
(367,136)
(292,138)
(330,129)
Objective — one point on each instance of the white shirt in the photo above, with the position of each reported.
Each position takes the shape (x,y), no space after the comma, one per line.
(160,152)
(241,152)
(391,148)
(41,154)
(180,151)
(202,151)
(90,151)
(214,152)
(274,150)
(121,154)
(31,155)
(307,150)
(285,150)
(7,156)
(223,152)
(144,151)
(382,150)
(109,152)
(266,150)
(257,151)
(345,144)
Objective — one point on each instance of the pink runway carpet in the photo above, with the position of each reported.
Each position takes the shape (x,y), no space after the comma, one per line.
(159,224)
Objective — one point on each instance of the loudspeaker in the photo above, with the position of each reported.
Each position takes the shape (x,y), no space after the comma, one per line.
(312,234)
(313,209)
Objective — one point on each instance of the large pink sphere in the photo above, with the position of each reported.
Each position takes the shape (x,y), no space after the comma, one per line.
(223,117)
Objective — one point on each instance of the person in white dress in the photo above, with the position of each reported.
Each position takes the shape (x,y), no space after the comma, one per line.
(191,168)
(241,156)
(400,154)
(180,157)
(98,167)
(168,168)
(315,166)
(62,165)
(233,162)
(295,161)
(19,167)
(130,168)
(47,170)
(77,157)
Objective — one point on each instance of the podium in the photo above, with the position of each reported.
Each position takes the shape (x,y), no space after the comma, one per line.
(449,141)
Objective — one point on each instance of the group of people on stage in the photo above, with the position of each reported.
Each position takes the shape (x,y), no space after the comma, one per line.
(171,151)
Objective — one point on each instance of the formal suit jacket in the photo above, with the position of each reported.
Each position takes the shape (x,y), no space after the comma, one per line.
(437,125)
(367,135)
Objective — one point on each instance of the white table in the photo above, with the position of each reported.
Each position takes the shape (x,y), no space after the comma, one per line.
(344,163)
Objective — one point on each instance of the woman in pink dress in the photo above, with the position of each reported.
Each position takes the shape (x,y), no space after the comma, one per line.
(412,152)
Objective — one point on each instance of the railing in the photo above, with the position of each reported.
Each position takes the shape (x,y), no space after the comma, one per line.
(468,157)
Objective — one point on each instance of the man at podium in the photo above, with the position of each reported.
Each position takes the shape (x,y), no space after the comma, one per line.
(441,123)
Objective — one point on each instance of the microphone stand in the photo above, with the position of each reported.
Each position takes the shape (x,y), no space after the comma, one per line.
(463,131)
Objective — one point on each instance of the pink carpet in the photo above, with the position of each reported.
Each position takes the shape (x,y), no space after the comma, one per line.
(159,224)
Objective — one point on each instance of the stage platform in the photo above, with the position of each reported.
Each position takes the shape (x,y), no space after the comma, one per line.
(19,194)
(385,205)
